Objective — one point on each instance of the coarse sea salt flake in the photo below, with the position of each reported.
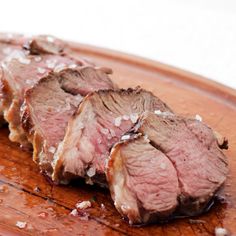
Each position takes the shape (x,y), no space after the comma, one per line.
(51,63)
(23,60)
(21,224)
(72,66)
(83,205)
(125,137)
(221,231)
(118,121)
(163,166)
(60,67)
(91,171)
(104,131)
(50,39)
(134,118)
(198,117)
(41,70)
(125,117)
(28,81)
(74,212)
(38,58)
(52,149)
(157,112)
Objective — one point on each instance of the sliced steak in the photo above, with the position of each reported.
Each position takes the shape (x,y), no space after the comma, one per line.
(142,180)
(20,72)
(102,118)
(193,149)
(7,46)
(45,44)
(49,105)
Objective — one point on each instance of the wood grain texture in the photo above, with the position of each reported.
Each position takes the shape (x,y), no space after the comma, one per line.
(46,210)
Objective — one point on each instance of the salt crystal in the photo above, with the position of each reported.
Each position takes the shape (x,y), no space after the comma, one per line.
(104,131)
(83,205)
(221,231)
(50,39)
(118,121)
(52,149)
(37,58)
(125,117)
(23,60)
(125,137)
(41,70)
(198,117)
(72,66)
(28,81)
(21,224)
(113,134)
(74,212)
(134,118)
(157,112)
(91,171)
(163,166)
(51,63)
(60,67)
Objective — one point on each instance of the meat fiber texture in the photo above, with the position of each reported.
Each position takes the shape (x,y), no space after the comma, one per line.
(50,104)
(102,118)
(174,167)
(19,73)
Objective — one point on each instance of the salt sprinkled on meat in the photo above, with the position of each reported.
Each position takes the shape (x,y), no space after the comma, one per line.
(198,117)
(104,131)
(21,224)
(134,118)
(157,112)
(60,67)
(23,60)
(74,212)
(118,121)
(72,66)
(28,81)
(91,171)
(83,205)
(125,117)
(112,132)
(41,70)
(125,137)
(52,149)
(50,39)
(103,206)
(37,58)
(163,166)
(51,63)
(221,231)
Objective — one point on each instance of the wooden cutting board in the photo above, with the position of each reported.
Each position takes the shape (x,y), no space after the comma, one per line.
(26,196)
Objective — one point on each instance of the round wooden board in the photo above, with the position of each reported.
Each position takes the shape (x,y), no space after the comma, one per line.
(25,195)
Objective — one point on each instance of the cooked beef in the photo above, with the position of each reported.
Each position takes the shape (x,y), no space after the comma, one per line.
(142,180)
(193,149)
(8,44)
(45,44)
(51,102)
(100,121)
(20,72)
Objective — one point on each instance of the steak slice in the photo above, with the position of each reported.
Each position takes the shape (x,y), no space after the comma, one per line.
(142,180)
(49,105)
(102,118)
(19,73)
(193,149)
(45,44)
